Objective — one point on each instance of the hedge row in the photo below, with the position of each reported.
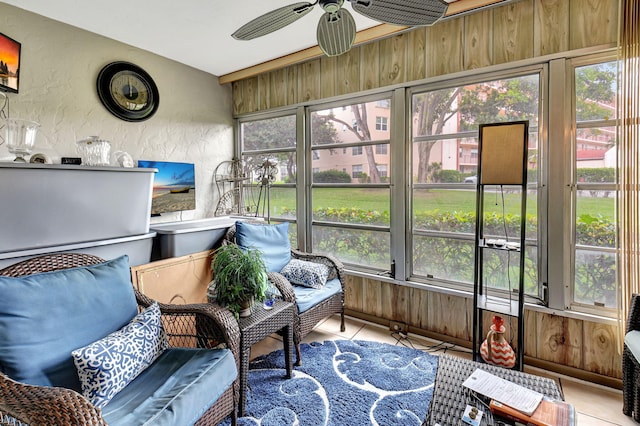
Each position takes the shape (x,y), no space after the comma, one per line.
(590,230)
(595,174)
(454,259)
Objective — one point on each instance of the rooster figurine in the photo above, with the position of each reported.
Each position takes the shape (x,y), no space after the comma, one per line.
(495,349)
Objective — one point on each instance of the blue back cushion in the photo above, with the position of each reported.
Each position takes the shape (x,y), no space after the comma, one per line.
(43,317)
(271,240)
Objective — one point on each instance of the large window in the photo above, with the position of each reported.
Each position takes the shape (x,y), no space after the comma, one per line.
(350,212)
(594,163)
(348,154)
(268,154)
(444,166)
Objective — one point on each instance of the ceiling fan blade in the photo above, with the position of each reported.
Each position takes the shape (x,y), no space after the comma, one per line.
(401,12)
(272,21)
(336,32)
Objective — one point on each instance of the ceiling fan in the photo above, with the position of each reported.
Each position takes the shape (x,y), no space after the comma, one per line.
(337,29)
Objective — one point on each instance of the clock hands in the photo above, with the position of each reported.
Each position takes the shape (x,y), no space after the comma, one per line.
(129,90)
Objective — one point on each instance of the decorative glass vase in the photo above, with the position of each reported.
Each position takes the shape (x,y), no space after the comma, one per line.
(495,349)
(21,137)
(94,151)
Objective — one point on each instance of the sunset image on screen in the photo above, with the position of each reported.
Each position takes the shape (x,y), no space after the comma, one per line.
(9,63)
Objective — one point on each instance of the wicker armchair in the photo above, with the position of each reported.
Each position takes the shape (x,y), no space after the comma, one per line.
(40,405)
(631,364)
(306,321)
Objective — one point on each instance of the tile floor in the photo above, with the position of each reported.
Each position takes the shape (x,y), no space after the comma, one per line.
(594,404)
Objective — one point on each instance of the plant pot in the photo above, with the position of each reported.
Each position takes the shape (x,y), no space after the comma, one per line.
(245,308)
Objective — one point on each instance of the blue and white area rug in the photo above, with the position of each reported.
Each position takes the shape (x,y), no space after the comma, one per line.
(340,383)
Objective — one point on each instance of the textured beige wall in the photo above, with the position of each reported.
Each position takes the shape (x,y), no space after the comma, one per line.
(59,67)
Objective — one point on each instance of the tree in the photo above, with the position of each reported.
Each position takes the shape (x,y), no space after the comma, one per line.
(362,132)
(469,106)
(280,132)
(432,110)
(595,91)
(500,101)
(596,97)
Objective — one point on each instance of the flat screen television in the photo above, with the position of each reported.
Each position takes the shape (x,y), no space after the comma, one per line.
(174,186)
(9,64)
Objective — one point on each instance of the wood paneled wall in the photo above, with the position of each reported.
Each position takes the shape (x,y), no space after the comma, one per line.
(582,345)
(519,30)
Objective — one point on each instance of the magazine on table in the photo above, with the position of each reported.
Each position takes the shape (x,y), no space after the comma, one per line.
(504,391)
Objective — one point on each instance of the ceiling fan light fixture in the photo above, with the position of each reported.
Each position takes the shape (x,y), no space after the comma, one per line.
(331,6)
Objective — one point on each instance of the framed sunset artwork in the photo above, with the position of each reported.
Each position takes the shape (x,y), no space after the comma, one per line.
(9,64)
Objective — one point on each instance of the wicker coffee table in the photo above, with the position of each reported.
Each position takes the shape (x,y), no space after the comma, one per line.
(258,326)
(450,398)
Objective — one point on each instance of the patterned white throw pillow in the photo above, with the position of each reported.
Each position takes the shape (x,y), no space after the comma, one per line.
(304,273)
(105,367)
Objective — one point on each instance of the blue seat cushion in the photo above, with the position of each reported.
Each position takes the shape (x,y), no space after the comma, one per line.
(307,297)
(632,340)
(43,317)
(175,390)
(271,240)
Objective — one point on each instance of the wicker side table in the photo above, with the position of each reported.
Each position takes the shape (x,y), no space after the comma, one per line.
(258,326)
(450,398)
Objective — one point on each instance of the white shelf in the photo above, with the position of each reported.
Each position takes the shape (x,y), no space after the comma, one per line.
(500,245)
(498,305)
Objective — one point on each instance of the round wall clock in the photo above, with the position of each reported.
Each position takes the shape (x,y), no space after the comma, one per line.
(127,91)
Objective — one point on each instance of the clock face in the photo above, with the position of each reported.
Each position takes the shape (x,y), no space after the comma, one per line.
(127,91)
(130,91)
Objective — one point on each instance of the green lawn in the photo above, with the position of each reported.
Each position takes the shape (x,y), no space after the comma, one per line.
(427,200)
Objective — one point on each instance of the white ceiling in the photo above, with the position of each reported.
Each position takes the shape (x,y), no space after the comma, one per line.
(193,32)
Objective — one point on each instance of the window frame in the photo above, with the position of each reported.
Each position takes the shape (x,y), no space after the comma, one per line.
(240,151)
(541,69)
(344,103)
(574,186)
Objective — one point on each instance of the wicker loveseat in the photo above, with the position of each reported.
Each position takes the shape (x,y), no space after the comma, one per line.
(313,305)
(185,384)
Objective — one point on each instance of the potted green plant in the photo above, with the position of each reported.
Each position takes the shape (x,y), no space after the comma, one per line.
(239,278)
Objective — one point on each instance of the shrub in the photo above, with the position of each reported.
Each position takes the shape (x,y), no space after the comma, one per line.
(448,176)
(331,176)
(596,174)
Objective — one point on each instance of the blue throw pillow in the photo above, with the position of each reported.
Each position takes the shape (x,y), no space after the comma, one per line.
(305,273)
(105,367)
(43,317)
(271,240)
